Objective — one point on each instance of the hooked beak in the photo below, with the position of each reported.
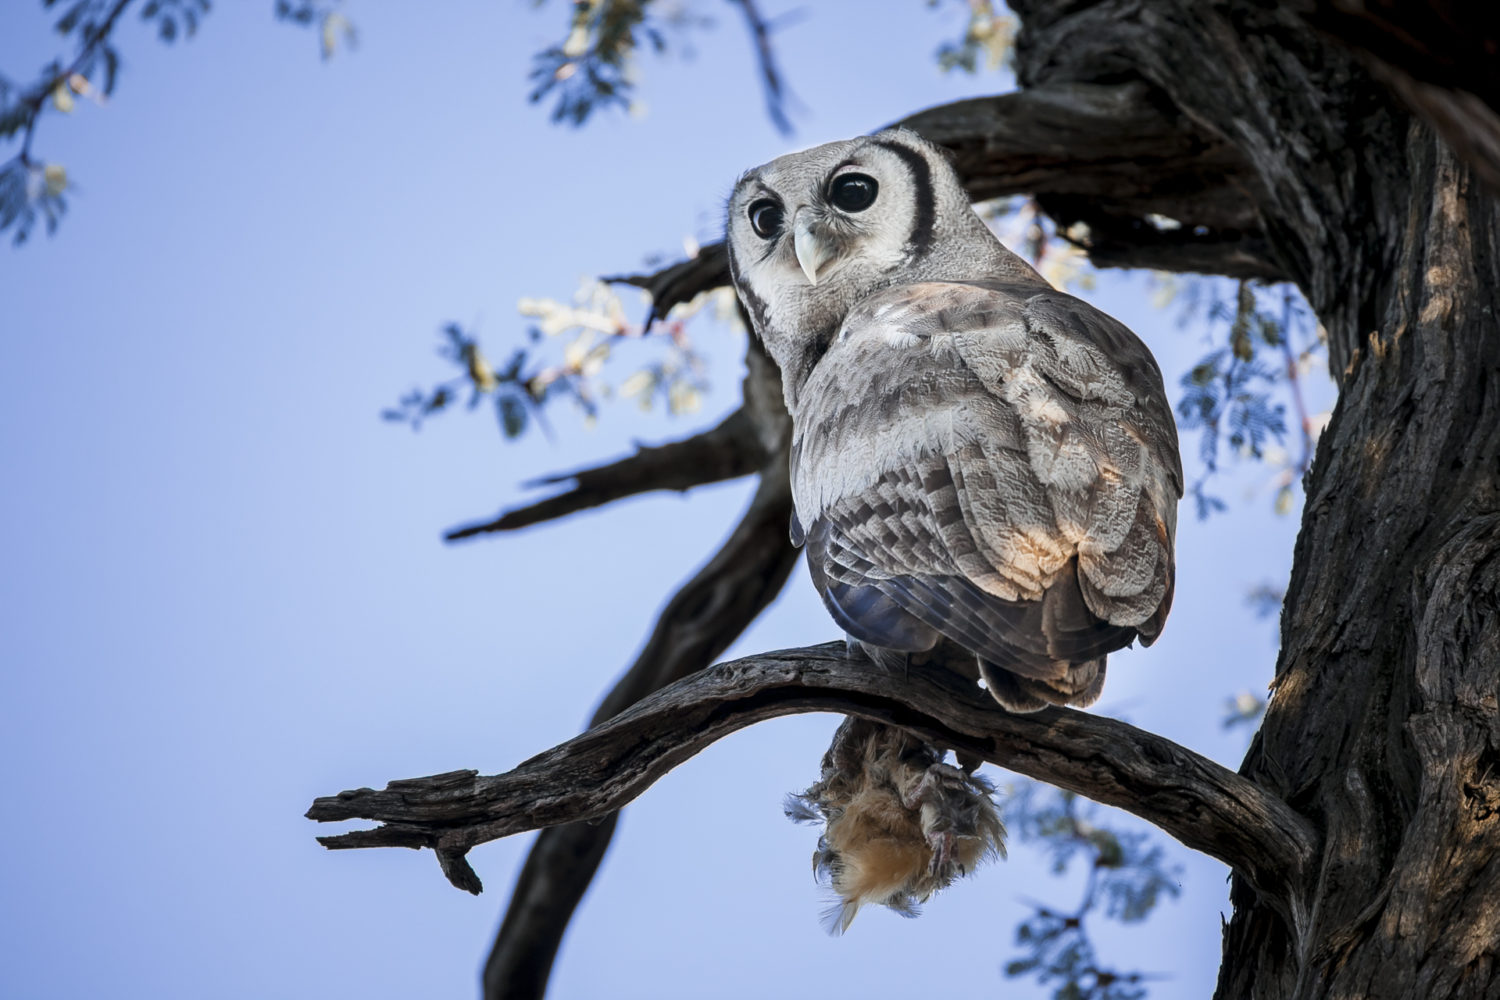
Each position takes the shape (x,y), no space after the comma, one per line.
(811,244)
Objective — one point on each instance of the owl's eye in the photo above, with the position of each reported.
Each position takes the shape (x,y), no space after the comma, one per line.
(853,192)
(765,218)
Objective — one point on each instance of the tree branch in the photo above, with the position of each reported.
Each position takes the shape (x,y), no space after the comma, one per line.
(93,36)
(1207,807)
(1154,190)
(765,60)
(727,451)
(1440,58)
(1117,144)
(694,629)
(679,282)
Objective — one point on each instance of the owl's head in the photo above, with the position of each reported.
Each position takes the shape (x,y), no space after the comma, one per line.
(812,233)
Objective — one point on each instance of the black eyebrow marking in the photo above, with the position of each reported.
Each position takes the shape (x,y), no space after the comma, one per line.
(920,240)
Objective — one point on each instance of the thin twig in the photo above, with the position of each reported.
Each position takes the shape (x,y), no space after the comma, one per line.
(765,56)
(91,40)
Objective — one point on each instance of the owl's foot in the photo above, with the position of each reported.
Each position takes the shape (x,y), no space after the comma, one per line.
(942,865)
(933,796)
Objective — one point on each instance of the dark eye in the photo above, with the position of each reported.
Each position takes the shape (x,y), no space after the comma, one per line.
(765,218)
(853,192)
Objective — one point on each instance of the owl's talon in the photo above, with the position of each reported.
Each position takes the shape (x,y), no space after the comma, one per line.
(941,842)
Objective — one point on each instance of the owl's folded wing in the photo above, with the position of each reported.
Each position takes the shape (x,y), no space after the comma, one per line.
(992,463)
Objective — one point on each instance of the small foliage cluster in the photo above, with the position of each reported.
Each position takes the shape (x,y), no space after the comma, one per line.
(591,330)
(591,68)
(33,190)
(1127,878)
(174,18)
(333,26)
(1228,395)
(987,39)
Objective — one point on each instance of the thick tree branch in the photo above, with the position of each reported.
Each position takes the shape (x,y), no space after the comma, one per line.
(694,629)
(1116,146)
(1206,806)
(1442,58)
(727,451)
(1154,190)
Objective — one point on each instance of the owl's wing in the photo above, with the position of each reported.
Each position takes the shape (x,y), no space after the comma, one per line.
(994,463)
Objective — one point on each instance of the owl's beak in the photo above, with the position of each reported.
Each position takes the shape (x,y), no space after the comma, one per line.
(812,246)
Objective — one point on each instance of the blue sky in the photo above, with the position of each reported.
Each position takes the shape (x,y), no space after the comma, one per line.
(222,587)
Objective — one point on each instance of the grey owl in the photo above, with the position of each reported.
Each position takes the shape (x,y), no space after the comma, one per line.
(984,469)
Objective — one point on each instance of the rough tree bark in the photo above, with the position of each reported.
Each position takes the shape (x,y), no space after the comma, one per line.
(1383,729)
(1282,154)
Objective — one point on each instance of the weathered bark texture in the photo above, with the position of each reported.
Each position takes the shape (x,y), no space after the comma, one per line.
(1383,729)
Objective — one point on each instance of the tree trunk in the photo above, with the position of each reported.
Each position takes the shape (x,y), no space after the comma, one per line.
(1383,729)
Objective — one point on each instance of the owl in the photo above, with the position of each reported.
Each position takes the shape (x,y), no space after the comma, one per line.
(984,474)
(984,469)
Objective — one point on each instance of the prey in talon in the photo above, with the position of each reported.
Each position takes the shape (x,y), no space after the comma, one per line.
(899,822)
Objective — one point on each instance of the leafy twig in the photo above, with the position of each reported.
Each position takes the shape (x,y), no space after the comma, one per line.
(1127,877)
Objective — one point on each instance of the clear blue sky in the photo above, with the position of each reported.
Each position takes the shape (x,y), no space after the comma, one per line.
(222,589)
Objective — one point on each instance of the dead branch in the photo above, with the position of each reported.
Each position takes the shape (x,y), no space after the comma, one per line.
(727,451)
(1207,807)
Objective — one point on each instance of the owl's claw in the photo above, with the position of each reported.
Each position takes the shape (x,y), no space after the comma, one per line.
(941,842)
(923,790)
(941,839)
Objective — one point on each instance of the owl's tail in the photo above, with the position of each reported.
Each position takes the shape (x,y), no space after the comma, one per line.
(1079,684)
(1069,683)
